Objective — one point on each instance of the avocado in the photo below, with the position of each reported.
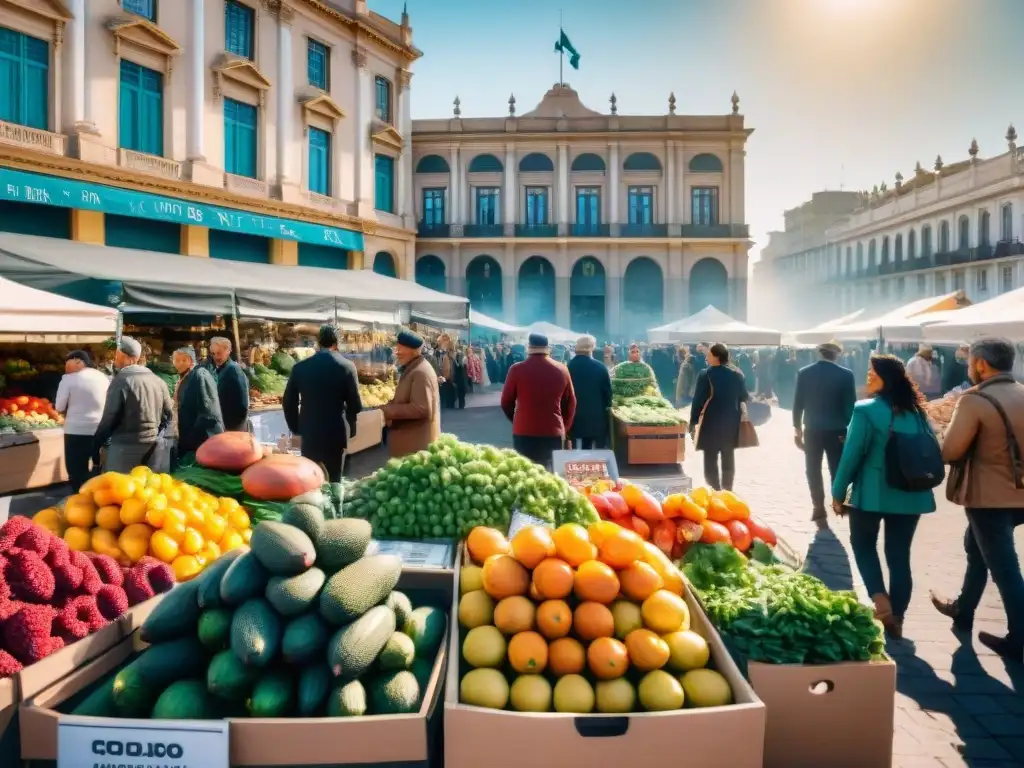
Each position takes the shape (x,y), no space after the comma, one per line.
(314,685)
(355,589)
(137,687)
(256,633)
(282,549)
(273,695)
(185,700)
(245,578)
(214,628)
(304,638)
(342,542)
(348,700)
(426,626)
(394,693)
(399,652)
(292,595)
(354,648)
(306,516)
(400,603)
(228,678)
(209,580)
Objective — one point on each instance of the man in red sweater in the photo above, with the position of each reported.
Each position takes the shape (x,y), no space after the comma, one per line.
(539,400)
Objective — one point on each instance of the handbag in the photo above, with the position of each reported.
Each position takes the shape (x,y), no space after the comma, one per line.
(747,437)
(700,417)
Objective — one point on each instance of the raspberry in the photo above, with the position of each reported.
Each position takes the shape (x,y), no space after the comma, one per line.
(108,568)
(137,586)
(162,578)
(8,664)
(80,617)
(12,529)
(34,538)
(112,601)
(8,608)
(29,578)
(26,634)
(91,581)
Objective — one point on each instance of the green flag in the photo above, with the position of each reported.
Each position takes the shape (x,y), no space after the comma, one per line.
(564,45)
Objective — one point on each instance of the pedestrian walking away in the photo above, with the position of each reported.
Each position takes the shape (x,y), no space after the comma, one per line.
(80,397)
(985,438)
(716,413)
(822,408)
(893,410)
(593,387)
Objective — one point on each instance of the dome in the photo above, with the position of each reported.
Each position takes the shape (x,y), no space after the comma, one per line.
(561,101)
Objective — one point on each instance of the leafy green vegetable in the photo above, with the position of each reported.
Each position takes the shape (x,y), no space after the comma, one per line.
(633,379)
(282,363)
(641,415)
(210,480)
(261,511)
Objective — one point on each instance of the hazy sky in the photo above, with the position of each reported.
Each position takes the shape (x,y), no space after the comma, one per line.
(839,92)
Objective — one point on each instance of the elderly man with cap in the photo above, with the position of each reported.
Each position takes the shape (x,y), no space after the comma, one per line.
(593,387)
(414,414)
(137,408)
(923,371)
(197,404)
(538,398)
(822,408)
(80,397)
(321,397)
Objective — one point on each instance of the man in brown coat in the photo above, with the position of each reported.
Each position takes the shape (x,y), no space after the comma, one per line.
(987,430)
(414,414)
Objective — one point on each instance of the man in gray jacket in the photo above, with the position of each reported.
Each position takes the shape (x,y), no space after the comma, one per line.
(138,406)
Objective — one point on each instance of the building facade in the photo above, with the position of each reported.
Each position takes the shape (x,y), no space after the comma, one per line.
(956,227)
(603,223)
(255,130)
(802,242)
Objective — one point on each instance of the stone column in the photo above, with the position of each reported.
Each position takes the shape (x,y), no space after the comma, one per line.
(405,206)
(508,284)
(465,194)
(196,101)
(737,185)
(562,292)
(563,189)
(511,191)
(78,106)
(613,188)
(454,211)
(670,184)
(673,284)
(738,297)
(613,293)
(682,201)
(363,176)
(457,275)
(284,93)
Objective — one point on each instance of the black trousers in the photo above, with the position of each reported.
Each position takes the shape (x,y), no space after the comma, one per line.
(590,443)
(333,462)
(818,444)
(711,475)
(447,393)
(78,453)
(537,449)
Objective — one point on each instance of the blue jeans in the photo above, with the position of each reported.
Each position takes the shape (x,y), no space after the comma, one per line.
(899,535)
(990,548)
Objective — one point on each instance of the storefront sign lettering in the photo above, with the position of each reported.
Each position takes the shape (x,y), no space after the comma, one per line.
(26,187)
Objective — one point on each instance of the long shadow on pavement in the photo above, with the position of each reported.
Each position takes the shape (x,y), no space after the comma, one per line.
(828,561)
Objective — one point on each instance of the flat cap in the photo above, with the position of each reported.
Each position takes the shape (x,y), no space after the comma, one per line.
(409,339)
(538,341)
(130,347)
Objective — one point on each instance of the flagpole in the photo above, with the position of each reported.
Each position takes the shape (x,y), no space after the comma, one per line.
(561,52)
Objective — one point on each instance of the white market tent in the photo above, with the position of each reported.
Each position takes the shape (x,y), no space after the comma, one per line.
(866,330)
(823,332)
(713,325)
(156,282)
(1001,316)
(28,314)
(555,334)
(480,320)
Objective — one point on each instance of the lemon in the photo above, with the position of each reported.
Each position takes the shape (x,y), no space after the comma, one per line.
(530,693)
(627,618)
(484,647)
(706,688)
(471,578)
(50,519)
(484,688)
(185,567)
(476,609)
(134,541)
(573,694)
(231,540)
(660,692)
(192,542)
(133,511)
(615,696)
(163,547)
(687,650)
(109,518)
(78,539)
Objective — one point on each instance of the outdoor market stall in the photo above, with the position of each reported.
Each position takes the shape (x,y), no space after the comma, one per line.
(37,330)
(713,325)
(1001,316)
(872,329)
(824,332)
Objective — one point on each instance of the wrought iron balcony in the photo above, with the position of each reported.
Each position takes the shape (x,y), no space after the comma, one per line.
(886,268)
(716,230)
(589,230)
(1006,248)
(433,230)
(536,230)
(949,258)
(871,270)
(643,230)
(484,230)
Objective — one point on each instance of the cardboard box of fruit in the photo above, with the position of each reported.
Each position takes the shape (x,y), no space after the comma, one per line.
(584,646)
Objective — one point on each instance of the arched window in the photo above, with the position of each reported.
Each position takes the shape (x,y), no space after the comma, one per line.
(641,161)
(912,245)
(485,164)
(536,162)
(872,253)
(860,257)
(963,240)
(706,163)
(1006,222)
(984,228)
(588,161)
(432,164)
(849,260)
(885,249)
(897,249)
(944,237)
(926,241)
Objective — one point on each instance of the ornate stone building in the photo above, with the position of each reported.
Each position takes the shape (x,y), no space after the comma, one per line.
(604,223)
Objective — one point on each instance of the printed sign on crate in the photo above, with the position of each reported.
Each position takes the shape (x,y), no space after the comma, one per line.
(439,555)
(87,742)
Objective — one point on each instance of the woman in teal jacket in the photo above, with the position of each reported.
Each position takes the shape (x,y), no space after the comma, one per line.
(895,404)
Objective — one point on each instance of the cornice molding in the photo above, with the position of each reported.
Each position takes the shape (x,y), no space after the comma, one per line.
(364,30)
(52,10)
(239,70)
(144,34)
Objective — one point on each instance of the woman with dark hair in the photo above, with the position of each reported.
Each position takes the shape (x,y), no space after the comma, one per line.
(715,415)
(894,405)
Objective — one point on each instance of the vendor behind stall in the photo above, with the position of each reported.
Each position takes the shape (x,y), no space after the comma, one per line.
(197,405)
(232,386)
(80,396)
(137,407)
(414,414)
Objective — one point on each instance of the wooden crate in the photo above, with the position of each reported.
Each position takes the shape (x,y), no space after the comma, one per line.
(651,445)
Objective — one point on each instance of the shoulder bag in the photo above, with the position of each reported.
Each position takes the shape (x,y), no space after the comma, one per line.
(747,437)
(913,462)
(700,416)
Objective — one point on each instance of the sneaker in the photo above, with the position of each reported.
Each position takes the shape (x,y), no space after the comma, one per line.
(1003,646)
(951,609)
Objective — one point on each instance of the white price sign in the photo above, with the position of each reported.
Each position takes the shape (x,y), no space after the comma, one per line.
(520,520)
(421,554)
(91,742)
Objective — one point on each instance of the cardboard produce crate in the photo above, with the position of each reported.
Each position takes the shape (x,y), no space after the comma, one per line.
(715,737)
(839,715)
(650,445)
(405,741)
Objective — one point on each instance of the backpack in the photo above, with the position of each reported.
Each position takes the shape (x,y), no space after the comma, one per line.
(913,461)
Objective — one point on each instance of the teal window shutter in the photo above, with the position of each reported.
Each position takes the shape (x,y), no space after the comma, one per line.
(24,80)
(144,8)
(319,161)
(240,138)
(239,21)
(317,63)
(141,109)
(383,98)
(384,188)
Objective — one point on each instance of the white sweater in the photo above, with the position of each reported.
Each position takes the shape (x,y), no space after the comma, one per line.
(80,397)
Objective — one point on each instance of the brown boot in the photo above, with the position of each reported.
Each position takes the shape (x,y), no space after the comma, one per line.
(883,607)
(951,609)
(894,628)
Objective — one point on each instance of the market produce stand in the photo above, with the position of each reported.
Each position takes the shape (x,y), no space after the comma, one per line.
(32,460)
(645,428)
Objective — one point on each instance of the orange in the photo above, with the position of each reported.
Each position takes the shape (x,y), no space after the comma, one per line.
(593,620)
(186,567)
(554,619)
(647,651)
(607,658)
(175,529)
(514,614)
(534,593)
(573,545)
(483,542)
(601,530)
(553,579)
(532,544)
(596,581)
(621,549)
(670,575)
(192,542)
(163,547)
(566,656)
(665,612)
(503,576)
(214,527)
(639,581)
(718,511)
(528,653)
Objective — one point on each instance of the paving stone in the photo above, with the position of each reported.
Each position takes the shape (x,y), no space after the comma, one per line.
(1003,725)
(1015,746)
(980,705)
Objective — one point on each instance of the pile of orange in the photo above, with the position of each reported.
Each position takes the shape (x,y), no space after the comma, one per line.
(574,620)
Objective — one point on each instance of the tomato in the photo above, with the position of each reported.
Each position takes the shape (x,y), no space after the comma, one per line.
(688,531)
(649,508)
(663,535)
(21,400)
(718,511)
(715,533)
(604,509)
(618,505)
(640,525)
(740,533)
(759,530)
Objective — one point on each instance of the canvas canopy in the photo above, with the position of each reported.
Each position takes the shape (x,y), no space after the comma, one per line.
(824,332)
(480,320)
(1001,316)
(866,330)
(713,325)
(555,334)
(29,314)
(150,281)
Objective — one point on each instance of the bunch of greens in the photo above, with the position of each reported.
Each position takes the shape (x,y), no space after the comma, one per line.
(777,616)
(642,415)
(633,379)
(282,363)
(267,382)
